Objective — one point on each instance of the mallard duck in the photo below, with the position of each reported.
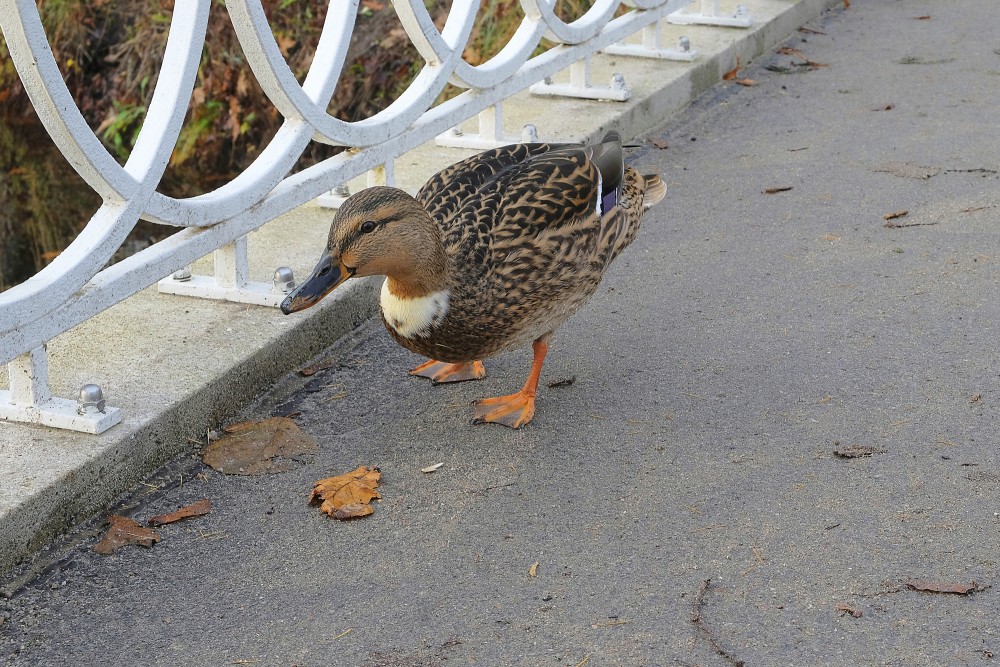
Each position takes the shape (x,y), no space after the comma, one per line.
(493,253)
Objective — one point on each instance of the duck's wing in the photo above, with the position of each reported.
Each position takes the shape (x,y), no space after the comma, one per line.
(449,190)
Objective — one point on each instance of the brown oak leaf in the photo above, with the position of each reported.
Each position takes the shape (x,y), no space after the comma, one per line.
(347,496)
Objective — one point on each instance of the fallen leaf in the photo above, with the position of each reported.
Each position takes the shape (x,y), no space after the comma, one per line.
(125,531)
(259,447)
(856,451)
(746,82)
(942,587)
(771,191)
(830,237)
(886,107)
(907,170)
(432,468)
(894,215)
(347,496)
(848,609)
(194,509)
(660,143)
(847,4)
(731,74)
(533,570)
(564,382)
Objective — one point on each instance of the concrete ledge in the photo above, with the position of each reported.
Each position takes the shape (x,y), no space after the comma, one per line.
(178,367)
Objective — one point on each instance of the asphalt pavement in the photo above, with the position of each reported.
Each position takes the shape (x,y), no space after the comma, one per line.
(772,438)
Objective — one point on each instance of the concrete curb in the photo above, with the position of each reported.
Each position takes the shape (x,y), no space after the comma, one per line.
(178,367)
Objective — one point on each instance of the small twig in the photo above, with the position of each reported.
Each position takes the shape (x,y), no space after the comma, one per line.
(490,488)
(582,662)
(345,632)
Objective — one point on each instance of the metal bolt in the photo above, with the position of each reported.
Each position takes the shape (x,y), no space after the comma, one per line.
(684,43)
(91,400)
(182,276)
(342,190)
(741,11)
(456,131)
(617,81)
(284,280)
(529,134)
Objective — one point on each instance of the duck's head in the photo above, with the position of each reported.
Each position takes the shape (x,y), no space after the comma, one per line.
(378,231)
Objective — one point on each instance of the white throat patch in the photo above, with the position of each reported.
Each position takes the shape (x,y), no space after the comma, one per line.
(413,317)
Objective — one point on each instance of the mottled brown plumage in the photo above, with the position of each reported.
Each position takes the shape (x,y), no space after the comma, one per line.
(494,252)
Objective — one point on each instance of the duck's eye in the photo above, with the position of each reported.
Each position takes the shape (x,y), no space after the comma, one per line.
(367,226)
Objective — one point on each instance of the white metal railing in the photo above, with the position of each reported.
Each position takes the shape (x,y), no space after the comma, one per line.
(75,287)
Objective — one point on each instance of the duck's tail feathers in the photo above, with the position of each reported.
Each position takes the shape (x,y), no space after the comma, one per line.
(655,191)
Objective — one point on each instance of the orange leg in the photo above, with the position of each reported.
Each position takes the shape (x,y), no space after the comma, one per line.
(440,371)
(514,410)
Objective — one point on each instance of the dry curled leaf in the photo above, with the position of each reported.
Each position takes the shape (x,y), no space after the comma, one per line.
(533,570)
(944,587)
(125,531)
(431,468)
(771,191)
(199,508)
(259,447)
(848,609)
(660,143)
(347,496)
(894,215)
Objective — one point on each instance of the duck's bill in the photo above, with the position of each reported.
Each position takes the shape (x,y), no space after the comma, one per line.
(329,274)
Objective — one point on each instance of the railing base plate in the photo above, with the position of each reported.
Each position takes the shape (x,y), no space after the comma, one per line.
(58,413)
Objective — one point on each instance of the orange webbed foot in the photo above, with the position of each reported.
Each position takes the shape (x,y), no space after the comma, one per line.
(514,410)
(440,372)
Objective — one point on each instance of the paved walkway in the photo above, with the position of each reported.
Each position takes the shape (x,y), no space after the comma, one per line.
(683,498)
